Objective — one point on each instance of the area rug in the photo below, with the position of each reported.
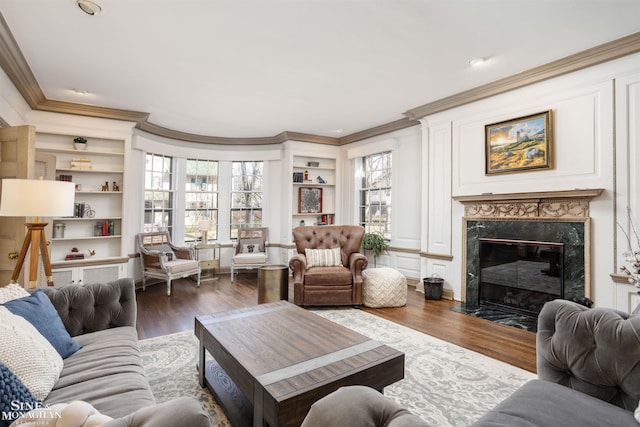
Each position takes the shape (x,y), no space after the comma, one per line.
(444,384)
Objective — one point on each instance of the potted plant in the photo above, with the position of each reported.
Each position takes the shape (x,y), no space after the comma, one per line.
(80,143)
(375,243)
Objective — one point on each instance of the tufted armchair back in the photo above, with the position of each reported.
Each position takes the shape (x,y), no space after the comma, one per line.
(96,306)
(346,237)
(595,351)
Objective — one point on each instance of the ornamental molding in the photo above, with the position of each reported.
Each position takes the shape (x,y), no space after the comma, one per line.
(543,205)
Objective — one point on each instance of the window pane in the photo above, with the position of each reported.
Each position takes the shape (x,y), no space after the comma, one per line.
(246,195)
(375,194)
(201,199)
(158,196)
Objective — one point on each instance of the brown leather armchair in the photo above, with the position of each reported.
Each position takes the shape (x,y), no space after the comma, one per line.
(328,285)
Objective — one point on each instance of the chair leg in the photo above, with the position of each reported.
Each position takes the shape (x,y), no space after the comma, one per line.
(232,272)
(144,282)
(168,287)
(199,278)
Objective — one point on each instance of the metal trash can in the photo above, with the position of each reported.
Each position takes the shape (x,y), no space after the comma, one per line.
(273,283)
(432,287)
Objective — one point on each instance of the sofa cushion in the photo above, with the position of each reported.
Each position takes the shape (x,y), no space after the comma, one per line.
(328,276)
(179,266)
(15,397)
(323,257)
(12,291)
(252,245)
(543,403)
(38,310)
(107,365)
(28,354)
(250,258)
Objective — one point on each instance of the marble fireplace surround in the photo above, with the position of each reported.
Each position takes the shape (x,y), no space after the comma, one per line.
(552,216)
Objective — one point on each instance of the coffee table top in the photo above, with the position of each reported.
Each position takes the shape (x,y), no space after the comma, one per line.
(288,349)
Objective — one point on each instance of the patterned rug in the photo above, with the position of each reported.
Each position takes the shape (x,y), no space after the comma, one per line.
(444,384)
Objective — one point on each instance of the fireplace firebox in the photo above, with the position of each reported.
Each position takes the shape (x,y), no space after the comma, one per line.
(520,275)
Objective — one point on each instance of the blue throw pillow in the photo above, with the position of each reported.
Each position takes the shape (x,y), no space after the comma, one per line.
(15,398)
(38,310)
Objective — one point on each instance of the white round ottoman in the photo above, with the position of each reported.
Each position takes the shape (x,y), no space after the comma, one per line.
(383,287)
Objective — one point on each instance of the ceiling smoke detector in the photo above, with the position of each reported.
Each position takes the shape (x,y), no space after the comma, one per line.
(89,7)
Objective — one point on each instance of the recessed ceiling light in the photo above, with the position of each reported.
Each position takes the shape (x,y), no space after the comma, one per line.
(477,61)
(89,7)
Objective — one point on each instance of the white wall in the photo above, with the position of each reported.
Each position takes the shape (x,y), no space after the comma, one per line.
(584,156)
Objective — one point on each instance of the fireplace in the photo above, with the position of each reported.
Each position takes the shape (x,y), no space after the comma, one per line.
(520,275)
(521,250)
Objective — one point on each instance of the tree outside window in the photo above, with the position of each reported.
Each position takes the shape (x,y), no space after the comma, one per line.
(158,193)
(201,199)
(246,195)
(375,194)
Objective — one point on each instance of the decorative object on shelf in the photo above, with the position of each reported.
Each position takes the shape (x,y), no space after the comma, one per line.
(58,230)
(313,164)
(321,180)
(92,252)
(80,164)
(302,223)
(375,243)
(66,178)
(80,143)
(306,175)
(35,198)
(298,177)
(519,145)
(115,187)
(105,186)
(88,212)
(309,200)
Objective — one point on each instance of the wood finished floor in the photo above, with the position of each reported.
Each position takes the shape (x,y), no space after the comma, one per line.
(161,315)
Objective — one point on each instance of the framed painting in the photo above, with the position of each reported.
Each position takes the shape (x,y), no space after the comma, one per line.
(519,145)
(309,200)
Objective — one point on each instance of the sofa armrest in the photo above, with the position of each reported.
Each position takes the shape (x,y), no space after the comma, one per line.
(592,350)
(298,264)
(357,263)
(182,411)
(96,306)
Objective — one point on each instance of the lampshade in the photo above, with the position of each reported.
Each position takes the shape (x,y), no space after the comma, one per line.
(33,197)
(204,225)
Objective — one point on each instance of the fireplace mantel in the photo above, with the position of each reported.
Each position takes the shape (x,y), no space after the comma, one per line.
(544,204)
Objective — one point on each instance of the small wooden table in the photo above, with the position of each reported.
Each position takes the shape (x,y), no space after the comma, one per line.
(274,360)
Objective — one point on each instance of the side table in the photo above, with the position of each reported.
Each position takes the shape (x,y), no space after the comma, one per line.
(273,283)
(209,256)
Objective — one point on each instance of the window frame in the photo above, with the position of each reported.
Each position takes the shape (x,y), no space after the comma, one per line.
(366,191)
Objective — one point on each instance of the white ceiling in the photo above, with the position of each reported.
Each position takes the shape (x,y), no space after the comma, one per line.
(239,68)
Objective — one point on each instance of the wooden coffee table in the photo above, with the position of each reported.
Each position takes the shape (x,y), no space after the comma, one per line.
(273,361)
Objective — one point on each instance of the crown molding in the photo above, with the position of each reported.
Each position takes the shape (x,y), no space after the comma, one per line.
(597,55)
(17,69)
(378,130)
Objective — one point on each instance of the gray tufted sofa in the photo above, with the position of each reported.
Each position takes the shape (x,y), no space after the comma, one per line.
(588,363)
(107,371)
(588,368)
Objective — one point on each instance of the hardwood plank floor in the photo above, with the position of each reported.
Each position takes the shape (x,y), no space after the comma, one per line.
(161,315)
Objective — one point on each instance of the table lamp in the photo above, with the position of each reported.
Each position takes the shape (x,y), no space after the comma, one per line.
(36,198)
(204,225)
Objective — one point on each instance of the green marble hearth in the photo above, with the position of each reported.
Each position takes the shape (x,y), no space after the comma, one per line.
(571,233)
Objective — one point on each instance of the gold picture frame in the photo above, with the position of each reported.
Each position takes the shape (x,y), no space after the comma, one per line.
(519,145)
